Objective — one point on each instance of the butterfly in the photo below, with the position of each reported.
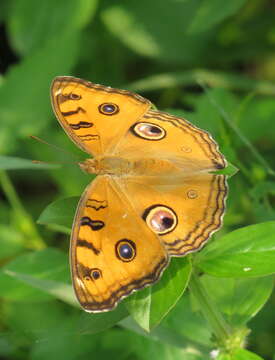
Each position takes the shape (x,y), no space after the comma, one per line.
(156,193)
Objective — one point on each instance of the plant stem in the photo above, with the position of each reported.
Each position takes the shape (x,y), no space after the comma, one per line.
(23,219)
(214,317)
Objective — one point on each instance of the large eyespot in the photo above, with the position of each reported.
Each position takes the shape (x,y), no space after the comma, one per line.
(125,250)
(95,274)
(161,219)
(108,109)
(148,131)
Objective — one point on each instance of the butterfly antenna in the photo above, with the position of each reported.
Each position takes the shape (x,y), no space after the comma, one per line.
(52,145)
(54,162)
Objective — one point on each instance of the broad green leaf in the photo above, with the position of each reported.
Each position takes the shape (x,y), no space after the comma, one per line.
(11,241)
(60,212)
(59,332)
(150,306)
(225,80)
(237,298)
(164,335)
(260,195)
(210,13)
(148,346)
(261,112)
(208,116)
(45,20)
(93,323)
(49,264)
(194,334)
(24,97)
(57,289)
(240,354)
(246,252)
(143,31)
(14,163)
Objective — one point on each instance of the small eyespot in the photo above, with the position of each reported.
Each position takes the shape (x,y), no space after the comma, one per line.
(108,109)
(186,149)
(218,165)
(148,131)
(125,250)
(95,274)
(192,194)
(74,96)
(161,219)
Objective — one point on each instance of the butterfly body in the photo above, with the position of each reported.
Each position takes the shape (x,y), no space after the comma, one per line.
(155,195)
(118,166)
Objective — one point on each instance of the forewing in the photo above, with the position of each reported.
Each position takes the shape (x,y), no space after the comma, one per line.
(162,136)
(79,107)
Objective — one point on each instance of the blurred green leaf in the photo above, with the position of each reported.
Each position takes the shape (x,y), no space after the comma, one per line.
(60,212)
(237,298)
(210,13)
(150,306)
(260,112)
(24,96)
(165,335)
(50,264)
(240,354)
(11,241)
(246,252)
(143,31)
(262,195)
(45,20)
(195,332)
(57,289)
(220,79)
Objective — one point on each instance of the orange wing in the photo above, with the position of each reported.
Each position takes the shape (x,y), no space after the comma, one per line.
(184,214)
(159,135)
(113,252)
(95,116)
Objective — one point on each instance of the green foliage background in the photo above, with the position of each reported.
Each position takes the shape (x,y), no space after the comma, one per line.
(210,61)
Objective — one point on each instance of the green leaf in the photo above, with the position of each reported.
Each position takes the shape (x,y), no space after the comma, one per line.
(166,335)
(246,252)
(14,163)
(24,96)
(210,13)
(11,241)
(221,79)
(237,298)
(31,32)
(143,31)
(93,323)
(240,354)
(261,193)
(90,323)
(60,212)
(49,264)
(148,307)
(195,332)
(57,289)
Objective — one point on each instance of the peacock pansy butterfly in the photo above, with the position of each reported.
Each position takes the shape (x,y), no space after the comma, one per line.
(156,194)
